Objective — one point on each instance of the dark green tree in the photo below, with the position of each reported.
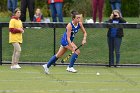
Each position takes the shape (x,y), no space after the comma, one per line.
(129,8)
(82,6)
(3,5)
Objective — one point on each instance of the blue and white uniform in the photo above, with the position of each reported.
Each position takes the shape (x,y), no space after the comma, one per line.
(74,30)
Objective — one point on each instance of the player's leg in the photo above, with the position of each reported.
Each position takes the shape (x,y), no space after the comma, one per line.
(74,56)
(54,58)
(73,59)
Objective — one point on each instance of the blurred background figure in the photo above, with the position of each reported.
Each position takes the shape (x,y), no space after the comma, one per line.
(38,17)
(56,9)
(12,5)
(30,4)
(116,5)
(97,6)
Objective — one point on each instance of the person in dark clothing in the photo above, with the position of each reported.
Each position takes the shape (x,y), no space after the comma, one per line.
(97,6)
(114,37)
(30,4)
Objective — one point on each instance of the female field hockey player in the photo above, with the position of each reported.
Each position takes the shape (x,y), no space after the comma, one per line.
(15,37)
(68,44)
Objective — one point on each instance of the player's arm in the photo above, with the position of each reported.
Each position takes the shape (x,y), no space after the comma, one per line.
(84,33)
(69,28)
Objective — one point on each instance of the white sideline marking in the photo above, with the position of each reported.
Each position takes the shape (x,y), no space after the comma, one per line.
(69,90)
(55,81)
(20,80)
(83,82)
(28,72)
(23,91)
(92,90)
(7,91)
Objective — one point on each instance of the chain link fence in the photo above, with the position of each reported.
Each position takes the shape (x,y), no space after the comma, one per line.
(41,41)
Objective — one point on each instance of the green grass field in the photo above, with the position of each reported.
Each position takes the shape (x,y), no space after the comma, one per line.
(31,79)
(38,47)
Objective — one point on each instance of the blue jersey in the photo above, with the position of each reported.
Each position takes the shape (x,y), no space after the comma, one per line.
(114,30)
(74,30)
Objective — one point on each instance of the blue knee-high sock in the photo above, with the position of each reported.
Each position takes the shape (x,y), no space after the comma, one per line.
(52,61)
(73,59)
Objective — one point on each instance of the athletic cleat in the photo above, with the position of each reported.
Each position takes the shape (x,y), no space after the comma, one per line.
(67,68)
(46,69)
(71,69)
(15,66)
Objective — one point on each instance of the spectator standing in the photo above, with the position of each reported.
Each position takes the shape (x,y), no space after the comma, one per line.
(12,5)
(15,37)
(115,37)
(97,6)
(115,5)
(31,6)
(56,9)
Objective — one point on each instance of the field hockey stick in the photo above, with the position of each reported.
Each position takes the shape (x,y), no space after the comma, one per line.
(67,57)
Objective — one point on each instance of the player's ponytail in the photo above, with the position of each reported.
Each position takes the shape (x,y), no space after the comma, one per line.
(74,13)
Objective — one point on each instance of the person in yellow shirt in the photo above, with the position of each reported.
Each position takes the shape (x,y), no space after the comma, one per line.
(15,37)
